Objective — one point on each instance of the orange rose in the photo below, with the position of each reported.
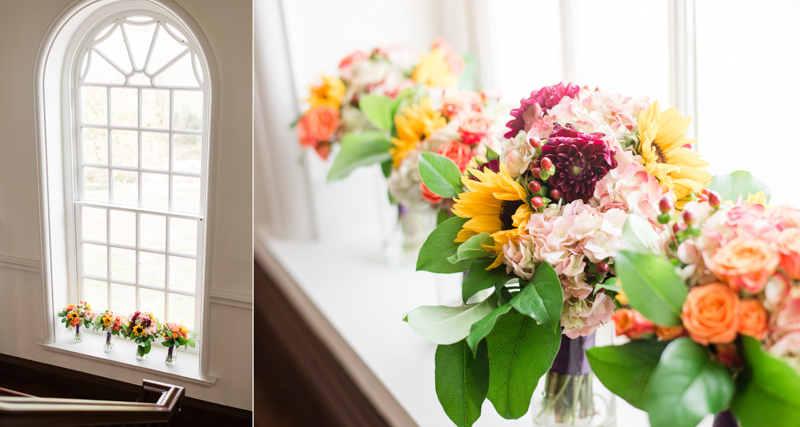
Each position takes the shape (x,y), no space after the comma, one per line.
(429,195)
(752,318)
(317,124)
(474,127)
(631,323)
(709,314)
(459,153)
(744,263)
(670,332)
(789,247)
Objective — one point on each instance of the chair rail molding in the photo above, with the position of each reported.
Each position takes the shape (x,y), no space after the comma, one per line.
(24,264)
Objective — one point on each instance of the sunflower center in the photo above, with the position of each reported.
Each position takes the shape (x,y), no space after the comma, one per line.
(662,158)
(507,210)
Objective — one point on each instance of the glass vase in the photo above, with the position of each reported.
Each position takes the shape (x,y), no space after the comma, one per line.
(108,347)
(725,419)
(140,354)
(78,335)
(410,228)
(572,395)
(172,356)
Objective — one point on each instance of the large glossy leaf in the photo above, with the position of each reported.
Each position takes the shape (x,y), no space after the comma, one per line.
(687,385)
(484,327)
(638,235)
(441,245)
(360,149)
(378,110)
(739,183)
(520,352)
(542,298)
(448,325)
(625,369)
(768,392)
(440,174)
(473,248)
(652,287)
(462,381)
(479,278)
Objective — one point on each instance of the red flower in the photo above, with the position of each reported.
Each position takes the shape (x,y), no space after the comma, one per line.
(429,195)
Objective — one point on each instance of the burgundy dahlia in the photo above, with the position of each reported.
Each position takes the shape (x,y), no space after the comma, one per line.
(492,165)
(536,106)
(580,159)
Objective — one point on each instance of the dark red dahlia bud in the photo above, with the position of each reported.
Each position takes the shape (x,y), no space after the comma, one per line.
(714,199)
(534,186)
(537,172)
(665,205)
(555,194)
(601,267)
(689,217)
(537,202)
(547,164)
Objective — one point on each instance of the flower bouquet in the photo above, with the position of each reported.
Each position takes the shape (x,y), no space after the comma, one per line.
(75,315)
(142,328)
(112,325)
(175,335)
(713,315)
(538,223)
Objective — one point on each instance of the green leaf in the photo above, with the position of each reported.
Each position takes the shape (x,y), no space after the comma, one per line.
(473,248)
(468,79)
(625,369)
(542,298)
(638,235)
(767,392)
(360,149)
(441,217)
(440,174)
(166,344)
(378,109)
(478,278)
(439,246)
(448,325)
(462,381)
(611,284)
(191,344)
(484,327)
(687,385)
(739,183)
(652,287)
(491,154)
(408,97)
(386,168)
(520,352)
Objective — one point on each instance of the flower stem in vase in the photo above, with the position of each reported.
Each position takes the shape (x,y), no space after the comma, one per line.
(108,347)
(78,335)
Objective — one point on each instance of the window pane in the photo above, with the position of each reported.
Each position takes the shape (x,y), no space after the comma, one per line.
(179,74)
(93,224)
(126,188)
(94,109)
(95,146)
(187,153)
(153,232)
(155,150)
(96,294)
(152,302)
(152,269)
(188,110)
(114,48)
(181,310)
(183,236)
(95,260)
(155,190)
(125,146)
(123,299)
(123,228)
(139,37)
(124,107)
(95,184)
(182,275)
(186,194)
(155,108)
(123,265)
(165,50)
(101,71)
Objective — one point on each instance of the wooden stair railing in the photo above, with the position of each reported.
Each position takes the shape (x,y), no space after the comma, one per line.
(158,404)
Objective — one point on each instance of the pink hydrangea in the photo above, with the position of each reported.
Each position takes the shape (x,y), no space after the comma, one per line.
(582,317)
(631,189)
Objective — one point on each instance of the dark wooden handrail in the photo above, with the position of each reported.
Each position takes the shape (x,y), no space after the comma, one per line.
(158,404)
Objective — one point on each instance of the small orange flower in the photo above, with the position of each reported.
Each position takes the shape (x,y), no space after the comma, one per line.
(788,245)
(744,263)
(670,332)
(752,318)
(709,314)
(631,323)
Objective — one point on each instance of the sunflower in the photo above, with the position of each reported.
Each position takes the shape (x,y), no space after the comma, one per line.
(72,315)
(495,204)
(434,71)
(137,330)
(330,93)
(415,124)
(663,137)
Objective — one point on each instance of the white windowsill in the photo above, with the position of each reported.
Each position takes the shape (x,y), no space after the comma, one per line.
(187,368)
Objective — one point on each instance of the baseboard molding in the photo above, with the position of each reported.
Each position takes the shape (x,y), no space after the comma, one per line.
(44,380)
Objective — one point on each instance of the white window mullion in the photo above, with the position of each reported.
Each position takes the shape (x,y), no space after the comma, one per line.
(683,71)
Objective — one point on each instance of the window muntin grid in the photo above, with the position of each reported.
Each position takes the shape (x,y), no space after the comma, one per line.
(141,156)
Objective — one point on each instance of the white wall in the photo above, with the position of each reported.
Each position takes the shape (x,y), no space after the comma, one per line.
(227,26)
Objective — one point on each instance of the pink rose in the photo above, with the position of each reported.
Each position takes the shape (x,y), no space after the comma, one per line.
(474,127)
(459,153)
(788,244)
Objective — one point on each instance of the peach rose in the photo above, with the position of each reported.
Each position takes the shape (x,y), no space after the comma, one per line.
(744,263)
(670,332)
(474,127)
(709,314)
(752,318)
(317,124)
(459,153)
(429,195)
(788,245)
(632,324)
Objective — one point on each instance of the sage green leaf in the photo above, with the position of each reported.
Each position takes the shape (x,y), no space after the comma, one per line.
(462,381)
(478,278)
(739,183)
(625,369)
(386,168)
(440,174)
(652,287)
(448,325)
(360,149)
(520,352)
(484,327)
(166,344)
(491,154)
(473,248)
(638,235)
(687,385)
(440,245)
(542,298)
(378,110)
(767,392)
